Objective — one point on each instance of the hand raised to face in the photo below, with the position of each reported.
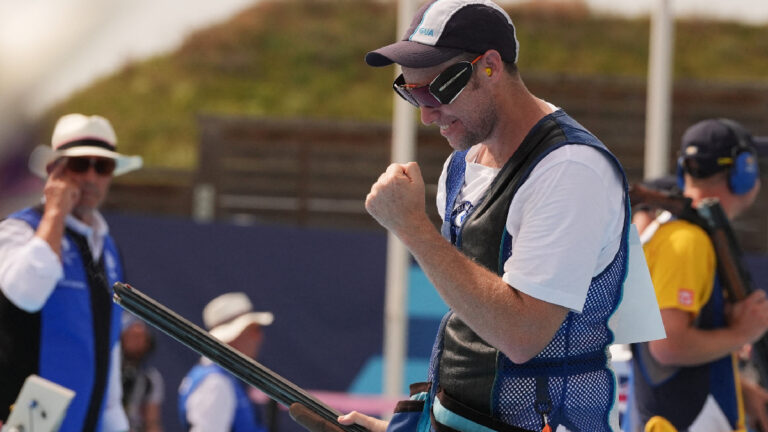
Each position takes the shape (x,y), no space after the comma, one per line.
(62,192)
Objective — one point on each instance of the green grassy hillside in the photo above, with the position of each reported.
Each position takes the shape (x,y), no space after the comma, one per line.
(304,58)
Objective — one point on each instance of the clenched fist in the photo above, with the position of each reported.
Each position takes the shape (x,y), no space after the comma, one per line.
(396,199)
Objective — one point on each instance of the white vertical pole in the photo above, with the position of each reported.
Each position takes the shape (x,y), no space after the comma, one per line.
(659,97)
(395,303)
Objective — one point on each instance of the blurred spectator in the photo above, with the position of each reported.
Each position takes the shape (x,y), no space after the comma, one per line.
(143,386)
(689,381)
(210,398)
(57,266)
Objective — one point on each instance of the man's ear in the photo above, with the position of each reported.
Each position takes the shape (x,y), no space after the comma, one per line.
(492,63)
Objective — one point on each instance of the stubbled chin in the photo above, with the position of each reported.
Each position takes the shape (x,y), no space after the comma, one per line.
(453,134)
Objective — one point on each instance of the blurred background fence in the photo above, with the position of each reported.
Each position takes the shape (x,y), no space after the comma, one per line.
(316,173)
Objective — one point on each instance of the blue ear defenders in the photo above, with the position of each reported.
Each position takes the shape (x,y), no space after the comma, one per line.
(743,172)
(680,174)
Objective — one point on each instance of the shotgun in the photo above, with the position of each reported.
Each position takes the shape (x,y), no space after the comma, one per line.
(305,409)
(733,273)
(735,277)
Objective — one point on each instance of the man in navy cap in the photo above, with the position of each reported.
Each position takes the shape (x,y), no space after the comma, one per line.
(689,380)
(535,243)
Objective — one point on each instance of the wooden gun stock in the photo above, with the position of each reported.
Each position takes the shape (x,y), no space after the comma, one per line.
(243,367)
(733,273)
(735,276)
(678,205)
(311,420)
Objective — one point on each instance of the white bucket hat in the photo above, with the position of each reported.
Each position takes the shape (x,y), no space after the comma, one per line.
(229,314)
(80,135)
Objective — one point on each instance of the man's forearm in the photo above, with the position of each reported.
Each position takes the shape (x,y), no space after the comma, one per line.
(686,345)
(51,229)
(518,325)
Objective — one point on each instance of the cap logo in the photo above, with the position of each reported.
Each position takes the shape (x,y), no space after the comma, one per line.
(725,161)
(438,14)
(426,31)
(691,150)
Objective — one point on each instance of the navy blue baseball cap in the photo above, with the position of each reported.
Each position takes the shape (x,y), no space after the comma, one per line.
(444,29)
(709,146)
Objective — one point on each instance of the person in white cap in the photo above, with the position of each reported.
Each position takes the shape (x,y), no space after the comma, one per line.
(57,266)
(534,249)
(210,398)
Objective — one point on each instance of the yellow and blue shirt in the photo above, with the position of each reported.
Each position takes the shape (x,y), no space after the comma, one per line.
(683,267)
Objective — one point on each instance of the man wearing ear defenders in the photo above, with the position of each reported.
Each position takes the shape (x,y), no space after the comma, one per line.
(57,266)
(535,244)
(689,381)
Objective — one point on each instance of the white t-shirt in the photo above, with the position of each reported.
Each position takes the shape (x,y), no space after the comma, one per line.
(565,221)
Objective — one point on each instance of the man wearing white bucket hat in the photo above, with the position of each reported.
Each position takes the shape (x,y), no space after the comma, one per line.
(57,267)
(210,398)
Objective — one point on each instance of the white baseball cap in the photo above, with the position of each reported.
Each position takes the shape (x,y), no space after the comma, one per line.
(81,135)
(229,314)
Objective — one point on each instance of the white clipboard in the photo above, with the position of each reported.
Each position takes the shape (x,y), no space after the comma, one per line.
(40,406)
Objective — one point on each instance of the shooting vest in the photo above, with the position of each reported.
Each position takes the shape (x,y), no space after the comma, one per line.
(70,340)
(246,419)
(472,385)
(679,393)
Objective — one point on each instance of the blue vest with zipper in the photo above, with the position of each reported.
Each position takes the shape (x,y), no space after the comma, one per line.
(473,386)
(79,327)
(246,419)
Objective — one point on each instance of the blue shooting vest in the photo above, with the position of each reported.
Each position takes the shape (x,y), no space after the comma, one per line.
(247,417)
(474,387)
(79,327)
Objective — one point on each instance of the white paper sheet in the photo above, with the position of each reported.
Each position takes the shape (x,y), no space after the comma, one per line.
(637,319)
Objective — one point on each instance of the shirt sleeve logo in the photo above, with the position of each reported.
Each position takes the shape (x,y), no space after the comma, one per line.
(685,297)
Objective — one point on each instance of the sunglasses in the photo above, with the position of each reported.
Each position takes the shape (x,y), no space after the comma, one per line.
(444,89)
(103,166)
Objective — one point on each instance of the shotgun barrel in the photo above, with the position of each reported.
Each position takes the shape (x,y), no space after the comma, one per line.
(243,367)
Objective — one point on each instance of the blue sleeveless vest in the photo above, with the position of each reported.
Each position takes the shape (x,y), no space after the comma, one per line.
(475,387)
(247,418)
(79,327)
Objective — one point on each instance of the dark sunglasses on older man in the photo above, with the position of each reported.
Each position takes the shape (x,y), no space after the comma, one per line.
(444,89)
(103,166)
